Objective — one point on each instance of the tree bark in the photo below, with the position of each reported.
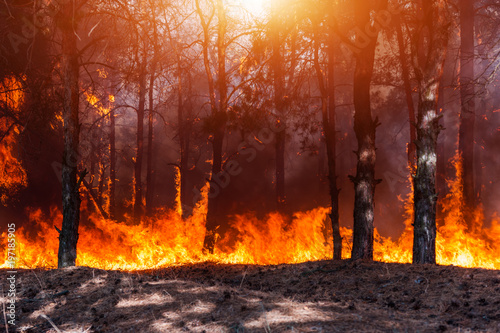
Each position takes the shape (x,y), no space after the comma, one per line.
(467,111)
(138,209)
(150,171)
(100,186)
(364,127)
(409,98)
(184,145)
(280,166)
(279,106)
(112,165)
(328,119)
(150,179)
(219,120)
(441,162)
(68,237)
(93,160)
(331,142)
(429,52)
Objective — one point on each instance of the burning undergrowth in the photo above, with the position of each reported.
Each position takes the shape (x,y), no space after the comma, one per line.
(169,239)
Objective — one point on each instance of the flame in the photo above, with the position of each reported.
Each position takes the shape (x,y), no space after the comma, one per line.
(98,104)
(178,204)
(12,174)
(457,244)
(169,239)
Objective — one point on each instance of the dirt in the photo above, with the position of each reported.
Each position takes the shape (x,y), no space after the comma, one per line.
(310,297)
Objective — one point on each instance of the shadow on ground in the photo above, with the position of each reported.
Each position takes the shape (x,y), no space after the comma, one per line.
(310,297)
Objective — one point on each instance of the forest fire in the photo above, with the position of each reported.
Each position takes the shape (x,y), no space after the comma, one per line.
(249,165)
(169,240)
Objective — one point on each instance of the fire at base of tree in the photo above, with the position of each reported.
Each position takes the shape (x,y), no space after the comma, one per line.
(168,239)
(328,143)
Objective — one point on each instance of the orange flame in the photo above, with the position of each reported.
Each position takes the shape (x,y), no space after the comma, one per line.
(98,104)
(178,204)
(12,174)
(171,240)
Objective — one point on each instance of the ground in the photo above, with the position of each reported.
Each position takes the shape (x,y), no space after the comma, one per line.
(320,296)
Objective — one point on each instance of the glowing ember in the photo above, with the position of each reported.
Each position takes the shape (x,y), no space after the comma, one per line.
(170,240)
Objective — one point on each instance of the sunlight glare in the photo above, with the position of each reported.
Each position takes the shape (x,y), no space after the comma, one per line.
(254,6)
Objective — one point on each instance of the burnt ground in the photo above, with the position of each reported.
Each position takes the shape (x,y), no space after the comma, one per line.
(310,297)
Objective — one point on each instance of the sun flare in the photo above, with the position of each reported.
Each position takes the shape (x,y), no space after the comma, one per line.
(254,6)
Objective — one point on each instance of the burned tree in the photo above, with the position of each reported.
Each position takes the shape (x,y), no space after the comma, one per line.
(279,105)
(467,112)
(364,127)
(327,90)
(218,104)
(405,74)
(68,237)
(138,205)
(428,54)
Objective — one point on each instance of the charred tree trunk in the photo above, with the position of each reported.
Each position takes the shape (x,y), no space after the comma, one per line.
(100,187)
(280,110)
(441,162)
(467,112)
(328,119)
(280,166)
(68,237)
(425,197)
(429,53)
(213,196)
(409,98)
(112,165)
(150,179)
(219,109)
(184,146)
(93,160)
(478,161)
(150,172)
(331,142)
(138,209)
(364,127)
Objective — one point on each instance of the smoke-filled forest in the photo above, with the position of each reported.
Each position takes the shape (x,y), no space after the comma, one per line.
(209,146)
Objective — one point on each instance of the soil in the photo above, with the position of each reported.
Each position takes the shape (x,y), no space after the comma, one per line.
(322,296)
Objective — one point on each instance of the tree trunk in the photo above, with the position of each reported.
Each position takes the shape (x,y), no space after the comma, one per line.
(150,179)
(441,162)
(279,106)
(93,161)
(140,146)
(280,168)
(112,165)
(467,111)
(219,121)
(429,53)
(184,146)
(364,127)
(425,197)
(331,142)
(68,237)
(213,197)
(102,177)
(328,118)
(409,98)
(478,161)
